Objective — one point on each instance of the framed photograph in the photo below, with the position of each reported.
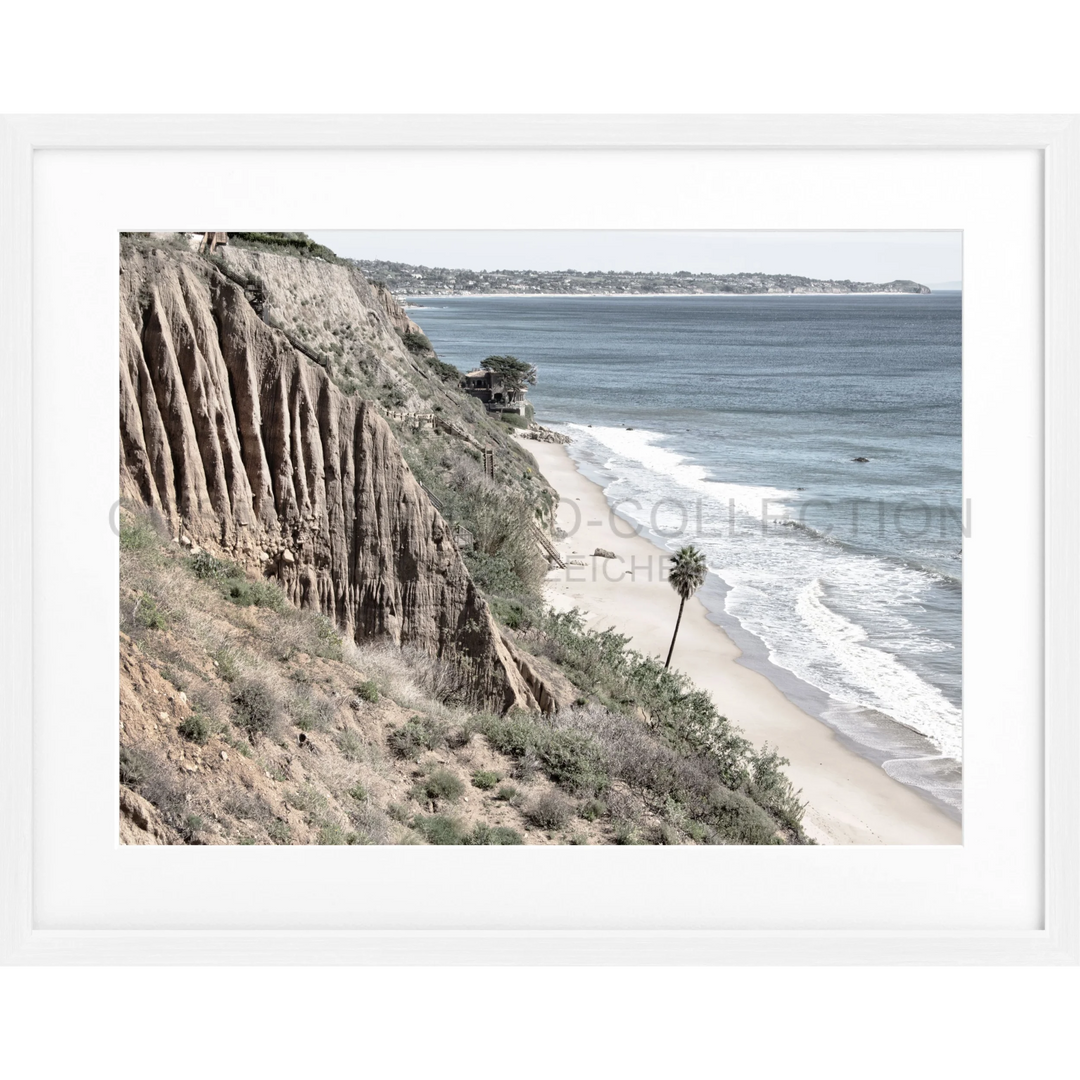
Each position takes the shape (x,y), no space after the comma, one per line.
(1007,895)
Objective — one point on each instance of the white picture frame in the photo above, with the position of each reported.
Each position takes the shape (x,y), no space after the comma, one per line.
(1056,940)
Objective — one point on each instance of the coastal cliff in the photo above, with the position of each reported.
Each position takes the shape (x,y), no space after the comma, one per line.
(331,593)
(251,450)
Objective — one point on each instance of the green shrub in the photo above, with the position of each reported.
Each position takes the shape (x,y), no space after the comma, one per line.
(738,819)
(333,834)
(255,708)
(484,779)
(148,614)
(512,734)
(206,567)
(772,789)
(493,834)
(438,829)
(307,798)
(503,557)
(256,594)
(668,835)
(509,794)
(416,342)
(301,714)
(569,758)
(309,711)
(191,826)
(367,691)
(515,614)
(462,736)
(574,760)
(279,832)
(196,728)
(134,767)
(137,535)
(441,784)
(552,810)
(526,768)
(238,746)
(700,742)
(351,746)
(327,641)
(698,832)
(498,573)
(358,792)
(447,372)
(226,660)
(285,243)
(592,809)
(418,733)
(595,660)
(514,420)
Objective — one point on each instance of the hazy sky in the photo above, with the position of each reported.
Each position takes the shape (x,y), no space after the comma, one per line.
(924,256)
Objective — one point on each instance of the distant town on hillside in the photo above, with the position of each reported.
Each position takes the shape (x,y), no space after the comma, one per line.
(405,280)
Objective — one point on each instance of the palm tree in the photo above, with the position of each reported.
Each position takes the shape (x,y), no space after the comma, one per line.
(687,575)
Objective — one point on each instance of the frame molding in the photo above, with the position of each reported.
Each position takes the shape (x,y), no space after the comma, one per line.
(1058,140)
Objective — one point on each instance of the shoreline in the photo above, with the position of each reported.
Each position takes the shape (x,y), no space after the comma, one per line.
(850,800)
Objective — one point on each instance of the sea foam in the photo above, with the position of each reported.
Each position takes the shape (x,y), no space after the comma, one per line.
(837,619)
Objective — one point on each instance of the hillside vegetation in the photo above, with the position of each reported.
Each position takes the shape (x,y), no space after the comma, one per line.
(246,721)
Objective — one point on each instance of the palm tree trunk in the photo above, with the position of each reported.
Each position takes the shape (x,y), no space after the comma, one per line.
(667,662)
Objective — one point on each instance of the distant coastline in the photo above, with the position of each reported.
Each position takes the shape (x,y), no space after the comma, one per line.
(409,298)
(407,279)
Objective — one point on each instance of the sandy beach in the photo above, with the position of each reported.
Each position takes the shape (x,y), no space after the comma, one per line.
(850,799)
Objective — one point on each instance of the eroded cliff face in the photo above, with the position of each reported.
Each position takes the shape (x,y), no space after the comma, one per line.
(394,312)
(253,451)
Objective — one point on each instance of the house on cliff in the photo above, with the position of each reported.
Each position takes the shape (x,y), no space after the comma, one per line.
(495,390)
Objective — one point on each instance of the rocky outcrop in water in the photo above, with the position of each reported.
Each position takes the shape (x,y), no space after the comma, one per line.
(252,449)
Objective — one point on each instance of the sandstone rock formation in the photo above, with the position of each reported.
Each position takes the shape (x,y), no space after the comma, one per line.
(545,435)
(140,823)
(394,312)
(253,451)
(552,690)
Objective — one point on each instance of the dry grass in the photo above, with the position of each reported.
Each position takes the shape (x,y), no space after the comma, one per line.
(279,739)
(410,678)
(552,810)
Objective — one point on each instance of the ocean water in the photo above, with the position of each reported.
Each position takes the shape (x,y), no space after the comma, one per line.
(733,423)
